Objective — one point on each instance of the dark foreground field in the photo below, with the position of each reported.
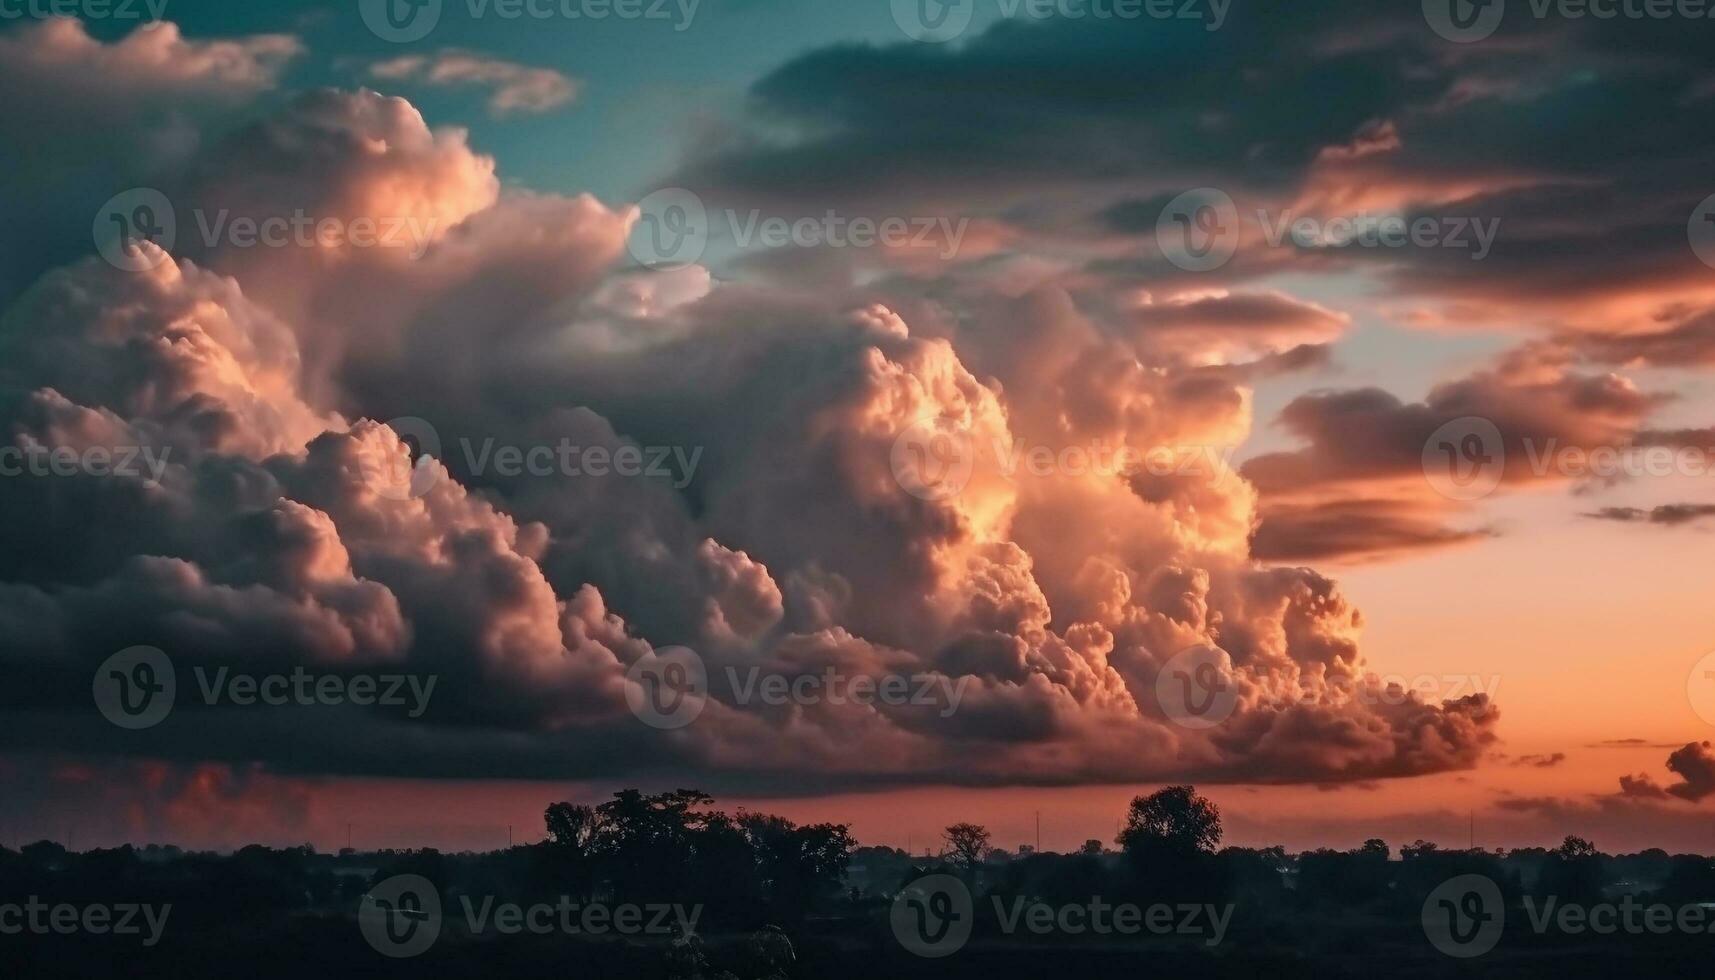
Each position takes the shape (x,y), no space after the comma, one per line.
(324,947)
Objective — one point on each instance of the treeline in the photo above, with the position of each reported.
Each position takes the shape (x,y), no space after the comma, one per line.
(745,869)
(752,869)
(1169,850)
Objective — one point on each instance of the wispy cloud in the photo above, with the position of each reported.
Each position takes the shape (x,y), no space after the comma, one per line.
(515,88)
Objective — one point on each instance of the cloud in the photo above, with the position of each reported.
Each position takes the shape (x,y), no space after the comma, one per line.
(1689,341)
(1353,530)
(1694,763)
(1232,325)
(291,527)
(516,88)
(1548,761)
(103,117)
(1342,111)
(1358,487)
(153,61)
(1668,515)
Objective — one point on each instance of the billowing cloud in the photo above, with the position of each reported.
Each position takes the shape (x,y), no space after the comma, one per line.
(292,525)
(103,117)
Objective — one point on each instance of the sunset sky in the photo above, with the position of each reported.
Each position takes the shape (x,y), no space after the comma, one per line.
(1421,314)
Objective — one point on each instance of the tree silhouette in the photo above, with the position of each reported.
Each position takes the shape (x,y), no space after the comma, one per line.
(1169,839)
(1573,871)
(573,826)
(968,844)
(797,865)
(647,841)
(574,838)
(1175,819)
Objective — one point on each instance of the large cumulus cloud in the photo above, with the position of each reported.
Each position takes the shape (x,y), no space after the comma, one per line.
(292,526)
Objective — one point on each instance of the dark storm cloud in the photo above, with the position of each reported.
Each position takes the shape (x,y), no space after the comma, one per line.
(1582,141)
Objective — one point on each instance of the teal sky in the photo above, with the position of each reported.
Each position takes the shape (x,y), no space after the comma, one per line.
(645,87)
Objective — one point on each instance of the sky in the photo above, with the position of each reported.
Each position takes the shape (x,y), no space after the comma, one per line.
(891,413)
